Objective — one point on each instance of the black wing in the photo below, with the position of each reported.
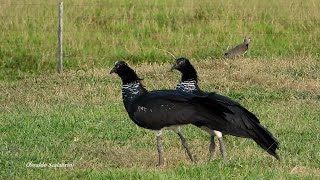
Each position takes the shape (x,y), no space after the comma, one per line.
(160,109)
(243,123)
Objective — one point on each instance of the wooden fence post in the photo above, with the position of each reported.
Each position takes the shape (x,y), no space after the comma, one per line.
(60,51)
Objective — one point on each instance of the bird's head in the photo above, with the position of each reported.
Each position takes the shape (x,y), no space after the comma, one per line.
(185,67)
(126,74)
(181,64)
(246,40)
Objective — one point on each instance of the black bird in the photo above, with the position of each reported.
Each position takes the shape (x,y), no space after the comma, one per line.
(242,122)
(161,109)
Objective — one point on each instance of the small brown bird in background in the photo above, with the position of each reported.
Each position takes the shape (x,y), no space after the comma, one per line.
(238,50)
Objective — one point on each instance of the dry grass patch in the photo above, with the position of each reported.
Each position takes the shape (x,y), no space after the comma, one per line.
(97,86)
(305,171)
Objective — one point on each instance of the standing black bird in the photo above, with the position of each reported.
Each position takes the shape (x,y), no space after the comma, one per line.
(157,110)
(243,123)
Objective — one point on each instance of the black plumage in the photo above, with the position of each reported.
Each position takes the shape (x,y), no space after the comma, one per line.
(157,110)
(240,122)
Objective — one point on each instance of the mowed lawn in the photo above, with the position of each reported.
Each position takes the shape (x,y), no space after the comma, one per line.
(78,118)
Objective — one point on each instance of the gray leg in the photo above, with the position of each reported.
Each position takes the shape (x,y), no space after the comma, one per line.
(185,145)
(160,149)
(222,148)
(212,147)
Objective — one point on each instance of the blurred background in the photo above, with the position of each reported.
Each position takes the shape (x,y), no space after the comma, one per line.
(97,33)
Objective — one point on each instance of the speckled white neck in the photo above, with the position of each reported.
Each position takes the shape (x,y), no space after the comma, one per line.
(187,86)
(131,90)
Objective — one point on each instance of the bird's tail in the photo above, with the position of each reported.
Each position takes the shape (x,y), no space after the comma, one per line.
(265,139)
(254,130)
(259,133)
(240,122)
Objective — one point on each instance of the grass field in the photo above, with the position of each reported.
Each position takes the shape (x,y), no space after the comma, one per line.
(96,33)
(78,117)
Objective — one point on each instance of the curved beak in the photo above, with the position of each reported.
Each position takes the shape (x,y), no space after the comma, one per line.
(113,70)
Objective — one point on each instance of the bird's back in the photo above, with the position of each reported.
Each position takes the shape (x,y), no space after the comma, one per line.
(164,108)
(239,49)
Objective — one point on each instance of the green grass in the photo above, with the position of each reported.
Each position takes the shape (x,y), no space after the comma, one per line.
(97,33)
(78,118)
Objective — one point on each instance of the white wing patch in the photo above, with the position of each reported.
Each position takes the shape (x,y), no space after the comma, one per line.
(165,107)
(162,107)
(142,109)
